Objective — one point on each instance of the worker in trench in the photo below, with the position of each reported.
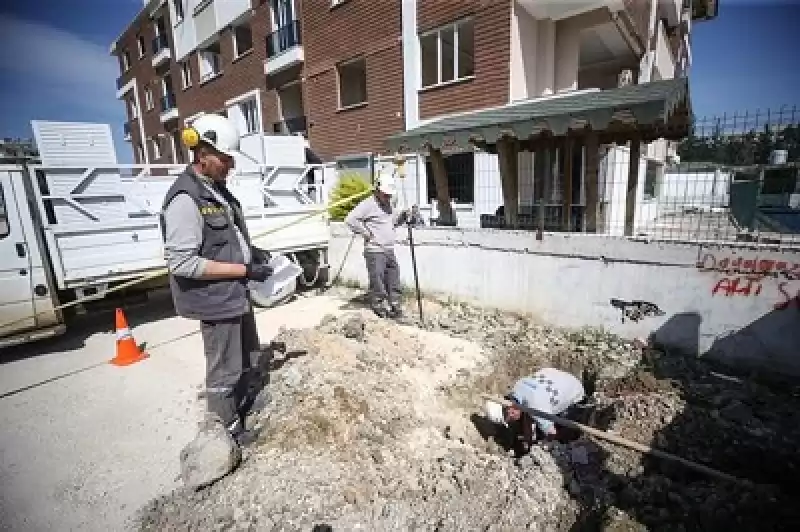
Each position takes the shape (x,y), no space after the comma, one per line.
(211,260)
(549,390)
(376,220)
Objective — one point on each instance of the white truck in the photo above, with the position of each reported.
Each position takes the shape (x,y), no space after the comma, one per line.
(78,224)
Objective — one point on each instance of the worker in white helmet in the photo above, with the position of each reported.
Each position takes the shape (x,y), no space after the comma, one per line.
(549,390)
(211,259)
(376,220)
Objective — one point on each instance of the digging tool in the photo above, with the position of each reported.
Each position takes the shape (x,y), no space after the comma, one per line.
(410,224)
(618,440)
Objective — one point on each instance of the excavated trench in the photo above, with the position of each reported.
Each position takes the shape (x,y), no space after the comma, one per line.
(374,425)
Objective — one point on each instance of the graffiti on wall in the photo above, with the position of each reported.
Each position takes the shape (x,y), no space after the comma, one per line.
(754,265)
(751,276)
(636,310)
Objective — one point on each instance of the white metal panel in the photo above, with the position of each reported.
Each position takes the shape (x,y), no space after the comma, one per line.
(106,224)
(230,10)
(284,150)
(74,143)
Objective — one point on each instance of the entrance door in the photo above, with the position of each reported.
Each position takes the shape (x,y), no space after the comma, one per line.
(16,294)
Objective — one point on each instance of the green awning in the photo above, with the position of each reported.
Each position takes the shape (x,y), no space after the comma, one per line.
(648,104)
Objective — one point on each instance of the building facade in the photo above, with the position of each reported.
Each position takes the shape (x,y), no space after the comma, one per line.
(349,73)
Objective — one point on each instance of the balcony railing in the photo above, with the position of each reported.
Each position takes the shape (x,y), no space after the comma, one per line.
(291,126)
(159,43)
(168,102)
(283,38)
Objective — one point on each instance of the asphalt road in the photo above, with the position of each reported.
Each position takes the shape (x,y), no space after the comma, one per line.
(85,444)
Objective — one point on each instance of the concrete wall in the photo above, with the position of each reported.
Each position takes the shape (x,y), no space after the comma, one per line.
(570,280)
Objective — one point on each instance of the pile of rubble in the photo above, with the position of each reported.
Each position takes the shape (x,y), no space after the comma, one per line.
(376,426)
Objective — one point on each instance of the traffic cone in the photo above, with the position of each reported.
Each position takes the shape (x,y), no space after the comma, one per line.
(127,351)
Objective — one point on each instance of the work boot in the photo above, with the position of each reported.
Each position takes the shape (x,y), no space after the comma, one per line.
(380,311)
(245,438)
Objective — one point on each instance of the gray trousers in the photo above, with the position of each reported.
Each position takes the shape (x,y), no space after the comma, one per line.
(384,278)
(232,350)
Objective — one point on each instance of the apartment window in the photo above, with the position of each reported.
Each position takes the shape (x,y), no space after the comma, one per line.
(460,169)
(448,54)
(133,109)
(179,156)
(652,171)
(140,153)
(140,43)
(155,143)
(186,75)
(352,83)
(209,60)
(126,60)
(249,111)
(5,228)
(178,5)
(148,98)
(242,40)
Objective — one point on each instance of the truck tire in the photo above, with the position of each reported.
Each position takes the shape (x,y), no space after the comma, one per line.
(281,297)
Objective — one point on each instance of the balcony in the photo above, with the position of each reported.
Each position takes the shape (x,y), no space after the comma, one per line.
(703,9)
(161,51)
(560,10)
(126,131)
(284,48)
(169,108)
(291,126)
(124,86)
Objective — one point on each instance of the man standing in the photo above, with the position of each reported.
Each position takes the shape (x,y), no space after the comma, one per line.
(375,220)
(210,259)
(549,390)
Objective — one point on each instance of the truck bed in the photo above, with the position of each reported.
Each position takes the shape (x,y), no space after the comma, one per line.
(102,223)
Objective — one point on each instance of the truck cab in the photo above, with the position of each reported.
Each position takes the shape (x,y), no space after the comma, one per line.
(27,296)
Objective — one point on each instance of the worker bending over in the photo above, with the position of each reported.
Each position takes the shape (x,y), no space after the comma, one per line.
(211,259)
(375,220)
(548,390)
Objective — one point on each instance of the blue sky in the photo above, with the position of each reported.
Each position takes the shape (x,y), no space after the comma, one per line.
(55,65)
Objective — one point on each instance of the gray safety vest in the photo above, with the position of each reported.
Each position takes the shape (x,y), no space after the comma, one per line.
(218,299)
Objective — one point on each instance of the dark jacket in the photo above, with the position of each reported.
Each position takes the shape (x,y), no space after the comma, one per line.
(217,299)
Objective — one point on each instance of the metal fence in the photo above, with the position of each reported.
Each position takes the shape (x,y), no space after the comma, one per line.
(734,178)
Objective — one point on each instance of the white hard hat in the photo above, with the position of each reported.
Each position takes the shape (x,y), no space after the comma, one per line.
(218,132)
(387,185)
(494,413)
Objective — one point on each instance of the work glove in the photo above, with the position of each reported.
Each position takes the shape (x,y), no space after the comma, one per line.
(259,255)
(258,272)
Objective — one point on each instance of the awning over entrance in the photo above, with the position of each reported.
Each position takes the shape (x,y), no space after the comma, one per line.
(659,108)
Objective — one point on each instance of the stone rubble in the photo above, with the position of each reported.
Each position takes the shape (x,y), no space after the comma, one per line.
(373,425)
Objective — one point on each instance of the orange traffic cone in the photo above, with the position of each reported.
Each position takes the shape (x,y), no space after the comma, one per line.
(127,351)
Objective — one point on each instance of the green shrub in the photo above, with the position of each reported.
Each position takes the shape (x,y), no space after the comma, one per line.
(349,185)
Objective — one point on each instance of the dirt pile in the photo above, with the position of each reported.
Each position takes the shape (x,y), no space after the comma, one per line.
(372,425)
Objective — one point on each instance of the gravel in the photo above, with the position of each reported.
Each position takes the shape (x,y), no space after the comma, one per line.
(375,425)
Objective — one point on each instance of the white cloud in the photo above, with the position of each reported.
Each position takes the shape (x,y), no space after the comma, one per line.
(76,71)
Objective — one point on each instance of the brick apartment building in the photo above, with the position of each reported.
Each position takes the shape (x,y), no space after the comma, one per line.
(349,73)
